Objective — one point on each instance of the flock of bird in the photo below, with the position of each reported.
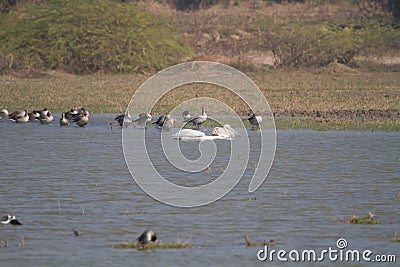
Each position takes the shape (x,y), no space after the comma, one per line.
(81,116)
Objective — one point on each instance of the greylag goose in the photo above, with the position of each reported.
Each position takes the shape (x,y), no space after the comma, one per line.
(124,119)
(146,237)
(198,120)
(143,118)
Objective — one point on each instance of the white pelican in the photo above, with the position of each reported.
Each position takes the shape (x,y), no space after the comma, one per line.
(63,121)
(225,133)
(143,118)
(3,113)
(124,119)
(255,120)
(146,237)
(198,120)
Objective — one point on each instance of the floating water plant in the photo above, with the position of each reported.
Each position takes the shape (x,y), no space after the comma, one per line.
(353,219)
(150,246)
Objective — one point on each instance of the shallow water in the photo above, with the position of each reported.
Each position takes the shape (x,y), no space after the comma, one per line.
(58,179)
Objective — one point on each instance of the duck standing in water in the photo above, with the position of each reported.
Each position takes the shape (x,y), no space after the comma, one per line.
(63,121)
(146,237)
(198,120)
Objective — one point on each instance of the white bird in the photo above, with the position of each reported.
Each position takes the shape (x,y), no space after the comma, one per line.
(143,118)
(146,237)
(224,133)
(3,113)
(198,120)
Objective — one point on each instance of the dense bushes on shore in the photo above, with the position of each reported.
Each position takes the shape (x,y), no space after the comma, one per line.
(87,36)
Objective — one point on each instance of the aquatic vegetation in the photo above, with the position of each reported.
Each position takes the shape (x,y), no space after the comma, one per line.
(353,219)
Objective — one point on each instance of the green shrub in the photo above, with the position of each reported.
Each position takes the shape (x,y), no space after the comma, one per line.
(86,36)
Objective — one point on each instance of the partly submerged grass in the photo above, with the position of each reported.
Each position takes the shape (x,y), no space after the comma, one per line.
(154,246)
(353,219)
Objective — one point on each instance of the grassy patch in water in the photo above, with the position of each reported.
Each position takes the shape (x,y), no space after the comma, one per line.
(353,219)
(153,246)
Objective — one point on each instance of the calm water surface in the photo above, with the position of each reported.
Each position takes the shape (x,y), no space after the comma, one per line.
(58,179)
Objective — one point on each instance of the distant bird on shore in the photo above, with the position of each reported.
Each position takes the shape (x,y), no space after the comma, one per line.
(146,237)
(3,114)
(63,121)
(142,119)
(198,120)
(255,120)
(160,121)
(124,119)
(19,116)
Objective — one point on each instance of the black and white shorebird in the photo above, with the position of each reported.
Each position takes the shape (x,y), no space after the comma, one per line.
(198,120)
(10,219)
(255,120)
(146,237)
(19,116)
